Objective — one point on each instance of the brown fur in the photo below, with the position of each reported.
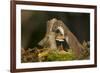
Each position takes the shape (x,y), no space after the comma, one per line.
(72,39)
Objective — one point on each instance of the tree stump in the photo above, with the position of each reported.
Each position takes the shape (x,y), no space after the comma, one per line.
(49,39)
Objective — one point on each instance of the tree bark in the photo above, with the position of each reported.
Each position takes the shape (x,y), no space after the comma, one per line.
(49,40)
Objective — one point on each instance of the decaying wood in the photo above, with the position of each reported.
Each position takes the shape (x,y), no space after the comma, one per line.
(49,39)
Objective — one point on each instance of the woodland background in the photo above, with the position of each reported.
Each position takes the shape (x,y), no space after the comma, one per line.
(34,24)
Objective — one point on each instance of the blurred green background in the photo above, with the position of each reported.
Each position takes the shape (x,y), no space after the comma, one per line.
(33,25)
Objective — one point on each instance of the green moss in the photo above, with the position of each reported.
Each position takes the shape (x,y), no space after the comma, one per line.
(56,55)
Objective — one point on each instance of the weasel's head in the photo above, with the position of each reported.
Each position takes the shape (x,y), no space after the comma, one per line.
(57,27)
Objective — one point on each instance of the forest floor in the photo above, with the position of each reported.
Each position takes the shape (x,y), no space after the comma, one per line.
(48,54)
